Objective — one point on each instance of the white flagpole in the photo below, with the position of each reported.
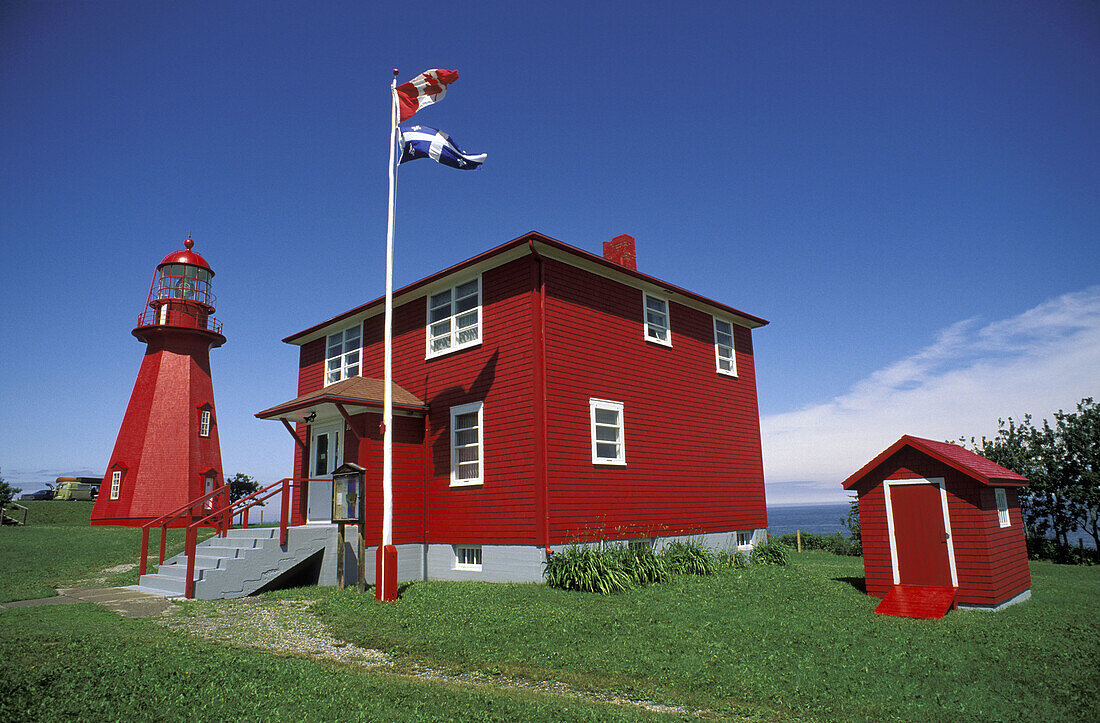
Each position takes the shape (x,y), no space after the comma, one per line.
(387,412)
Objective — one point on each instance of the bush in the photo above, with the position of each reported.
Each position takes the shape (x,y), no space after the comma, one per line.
(835,543)
(689,558)
(731,559)
(642,565)
(771,552)
(1044,548)
(586,570)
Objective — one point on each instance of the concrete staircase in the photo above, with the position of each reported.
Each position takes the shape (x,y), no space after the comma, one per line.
(241,563)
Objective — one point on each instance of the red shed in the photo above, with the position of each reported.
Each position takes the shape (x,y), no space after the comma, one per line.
(937,518)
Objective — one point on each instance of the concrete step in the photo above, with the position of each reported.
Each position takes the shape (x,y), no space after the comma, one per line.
(255,533)
(162,585)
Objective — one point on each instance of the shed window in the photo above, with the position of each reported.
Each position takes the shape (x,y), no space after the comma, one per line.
(454,318)
(1002,506)
(656,320)
(466,445)
(342,356)
(116,483)
(723,348)
(467,557)
(608,443)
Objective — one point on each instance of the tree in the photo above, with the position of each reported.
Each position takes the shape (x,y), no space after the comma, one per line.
(7,492)
(1062,464)
(242,485)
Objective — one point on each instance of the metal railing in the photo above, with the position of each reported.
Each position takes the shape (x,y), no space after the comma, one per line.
(179,316)
(207,501)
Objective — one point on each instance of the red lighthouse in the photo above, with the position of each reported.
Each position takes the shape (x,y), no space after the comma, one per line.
(167,450)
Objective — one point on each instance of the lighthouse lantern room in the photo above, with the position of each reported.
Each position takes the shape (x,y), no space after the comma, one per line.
(167,451)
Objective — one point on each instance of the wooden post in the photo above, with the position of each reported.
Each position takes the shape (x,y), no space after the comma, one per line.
(340,556)
(362,556)
(798,538)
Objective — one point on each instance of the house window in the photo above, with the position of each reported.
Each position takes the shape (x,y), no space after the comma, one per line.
(608,444)
(116,483)
(454,318)
(468,557)
(744,539)
(656,320)
(1002,506)
(466,445)
(723,348)
(204,423)
(342,357)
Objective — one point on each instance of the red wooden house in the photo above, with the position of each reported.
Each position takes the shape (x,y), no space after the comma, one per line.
(935,514)
(543,396)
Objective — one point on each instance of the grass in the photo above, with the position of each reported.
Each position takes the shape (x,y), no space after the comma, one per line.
(778,642)
(83,662)
(59,548)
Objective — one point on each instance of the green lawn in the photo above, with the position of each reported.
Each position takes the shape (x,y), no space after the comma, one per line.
(800,641)
(58,548)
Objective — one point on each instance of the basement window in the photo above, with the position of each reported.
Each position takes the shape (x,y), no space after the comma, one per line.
(468,557)
(744,539)
(1002,506)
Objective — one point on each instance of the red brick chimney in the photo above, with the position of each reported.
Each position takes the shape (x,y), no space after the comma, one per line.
(620,250)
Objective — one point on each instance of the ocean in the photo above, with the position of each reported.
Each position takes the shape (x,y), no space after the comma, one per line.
(825,519)
(820,519)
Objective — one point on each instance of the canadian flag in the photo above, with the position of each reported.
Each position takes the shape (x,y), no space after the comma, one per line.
(423,90)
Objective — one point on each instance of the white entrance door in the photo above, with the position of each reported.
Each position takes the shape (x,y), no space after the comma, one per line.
(324,458)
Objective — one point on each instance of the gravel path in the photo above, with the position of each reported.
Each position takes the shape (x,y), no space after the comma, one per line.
(288,627)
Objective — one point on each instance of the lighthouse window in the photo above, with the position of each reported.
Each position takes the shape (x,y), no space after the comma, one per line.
(116,482)
(454,318)
(342,358)
(204,423)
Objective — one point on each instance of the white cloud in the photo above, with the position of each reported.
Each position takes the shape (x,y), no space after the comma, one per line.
(1045,359)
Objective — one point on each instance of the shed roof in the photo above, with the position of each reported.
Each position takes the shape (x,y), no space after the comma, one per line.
(354,392)
(971,464)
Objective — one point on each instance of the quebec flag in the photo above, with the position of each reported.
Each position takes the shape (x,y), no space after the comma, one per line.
(423,142)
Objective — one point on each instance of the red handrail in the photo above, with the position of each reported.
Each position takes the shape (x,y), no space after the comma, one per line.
(165,520)
(241,506)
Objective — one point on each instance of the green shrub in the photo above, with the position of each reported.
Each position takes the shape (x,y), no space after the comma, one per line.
(1044,548)
(587,570)
(689,558)
(835,543)
(771,552)
(731,559)
(642,565)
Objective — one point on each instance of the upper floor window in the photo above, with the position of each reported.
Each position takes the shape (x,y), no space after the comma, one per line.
(723,348)
(342,357)
(454,318)
(656,320)
(204,423)
(466,445)
(1002,506)
(608,445)
(116,483)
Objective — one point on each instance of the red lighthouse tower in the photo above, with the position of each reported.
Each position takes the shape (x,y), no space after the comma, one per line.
(167,451)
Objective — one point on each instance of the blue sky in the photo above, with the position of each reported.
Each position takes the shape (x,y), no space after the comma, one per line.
(908,192)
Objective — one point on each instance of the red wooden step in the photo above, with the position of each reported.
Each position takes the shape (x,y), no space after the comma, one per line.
(928,602)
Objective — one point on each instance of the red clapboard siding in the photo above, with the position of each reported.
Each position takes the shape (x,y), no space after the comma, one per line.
(677,477)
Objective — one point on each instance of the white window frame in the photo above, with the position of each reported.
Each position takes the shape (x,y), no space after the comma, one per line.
(652,331)
(348,361)
(470,316)
(747,535)
(607,405)
(116,483)
(719,354)
(468,557)
(1002,506)
(204,423)
(479,445)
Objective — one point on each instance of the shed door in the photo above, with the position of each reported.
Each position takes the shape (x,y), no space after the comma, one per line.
(919,534)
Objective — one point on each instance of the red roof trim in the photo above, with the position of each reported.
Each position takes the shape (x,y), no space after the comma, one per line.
(973,465)
(520,241)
